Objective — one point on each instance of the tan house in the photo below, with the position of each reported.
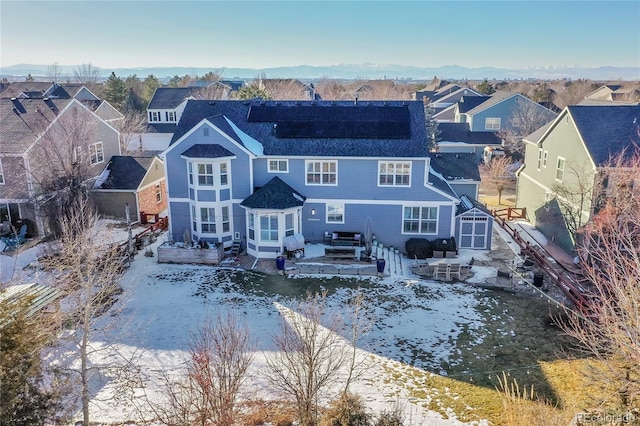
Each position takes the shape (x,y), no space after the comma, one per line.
(138,182)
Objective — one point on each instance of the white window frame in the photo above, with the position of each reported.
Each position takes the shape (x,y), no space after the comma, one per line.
(490,123)
(545,156)
(158,193)
(251,220)
(516,122)
(321,172)
(1,173)
(391,169)
(270,217)
(171,116)
(96,153)
(223,168)
(194,219)
(154,116)
(420,220)
(331,213)
(560,171)
(279,165)
(226,219)
(539,159)
(211,220)
(289,229)
(205,175)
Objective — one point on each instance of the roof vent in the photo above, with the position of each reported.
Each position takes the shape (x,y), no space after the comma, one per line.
(212,103)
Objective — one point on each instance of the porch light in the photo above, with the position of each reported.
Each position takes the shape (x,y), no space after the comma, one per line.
(313,212)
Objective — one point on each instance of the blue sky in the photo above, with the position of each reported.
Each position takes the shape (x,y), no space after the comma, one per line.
(512,34)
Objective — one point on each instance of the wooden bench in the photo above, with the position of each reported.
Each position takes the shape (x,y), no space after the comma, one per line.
(345,238)
(340,252)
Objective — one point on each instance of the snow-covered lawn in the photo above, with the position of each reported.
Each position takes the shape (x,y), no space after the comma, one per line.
(417,324)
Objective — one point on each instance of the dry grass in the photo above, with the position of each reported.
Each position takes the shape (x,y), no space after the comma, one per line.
(260,412)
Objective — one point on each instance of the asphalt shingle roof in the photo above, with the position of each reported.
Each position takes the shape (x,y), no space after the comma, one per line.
(22,121)
(454,166)
(492,100)
(438,182)
(303,139)
(171,97)
(126,172)
(459,132)
(607,130)
(207,151)
(275,194)
(467,203)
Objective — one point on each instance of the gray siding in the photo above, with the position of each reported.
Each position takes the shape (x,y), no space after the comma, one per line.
(112,204)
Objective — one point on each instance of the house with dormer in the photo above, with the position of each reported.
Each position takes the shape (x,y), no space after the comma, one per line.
(259,171)
(565,162)
(40,137)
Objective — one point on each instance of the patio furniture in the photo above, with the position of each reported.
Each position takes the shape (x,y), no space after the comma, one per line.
(454,271)
(441,270)
(13,242)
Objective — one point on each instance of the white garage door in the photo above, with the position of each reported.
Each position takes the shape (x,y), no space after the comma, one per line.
(474,232)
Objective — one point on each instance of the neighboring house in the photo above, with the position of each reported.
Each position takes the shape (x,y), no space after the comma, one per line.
(569,153)
(614,93)
(259,171)
(458,138)
(28,129)
(288,89)
(135,181)
(460,170)
(500,112)
(163,113)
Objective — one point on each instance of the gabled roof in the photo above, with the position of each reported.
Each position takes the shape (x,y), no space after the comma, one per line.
(494,99)
(456,166)
(276,194)
(126,172)
(171,97)
(468,103)
(535,136)
(440,183)
(467,203)
(22,121)
(320,128)
(160,128)
(15,89)
(207,151)
(607,130)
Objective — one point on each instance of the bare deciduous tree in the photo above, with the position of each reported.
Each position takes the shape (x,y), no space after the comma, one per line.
(498,175)
(220,354)
(575,196)
(131,129)
(54,72)
(610,253)
(526,118)
(89,269)
(310,355)
(86,74)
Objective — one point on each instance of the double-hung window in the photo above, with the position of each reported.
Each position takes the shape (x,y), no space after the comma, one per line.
(224,174)
(154,116)
(225,219)
(171,116)
(560,169)
(394,173)
(289,228)
(539,158)
(96,152)
(322,172)
(252,226)
(208,220)
(420,220)
(205,174)
(269,227)
(1,174)
(492,123)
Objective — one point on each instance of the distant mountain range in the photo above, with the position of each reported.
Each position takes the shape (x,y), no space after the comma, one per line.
(351,72)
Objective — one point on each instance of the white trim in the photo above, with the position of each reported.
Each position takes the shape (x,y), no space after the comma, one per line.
(335,204)
(306,172)
(179,200)
(110,106)
(377,202)
(420,219)
(564,166)
(394,174)
(278,160)
(486,123)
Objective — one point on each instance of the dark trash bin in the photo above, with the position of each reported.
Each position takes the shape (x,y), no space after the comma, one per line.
(280,263)
(380,264)
(445,245)
(538,279)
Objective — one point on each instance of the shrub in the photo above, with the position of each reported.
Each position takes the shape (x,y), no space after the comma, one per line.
(348,410)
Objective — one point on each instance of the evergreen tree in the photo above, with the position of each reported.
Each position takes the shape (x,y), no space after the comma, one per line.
(115,91)
(28,78)
(23,397)
(252,91)
(149,86)
(485,88)
(174,81)
(433,132)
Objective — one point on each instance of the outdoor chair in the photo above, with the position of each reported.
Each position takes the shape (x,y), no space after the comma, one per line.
(454,271)
(13,242)
(441,270)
